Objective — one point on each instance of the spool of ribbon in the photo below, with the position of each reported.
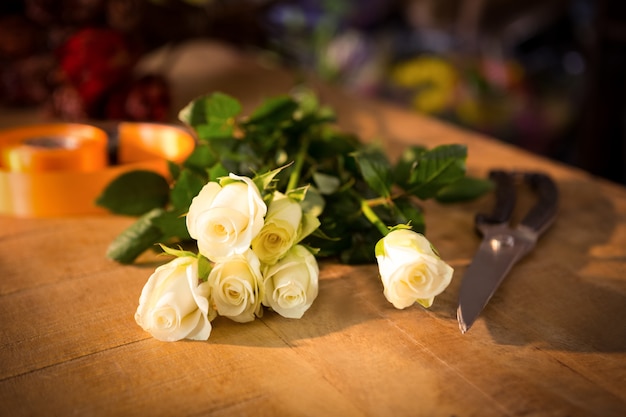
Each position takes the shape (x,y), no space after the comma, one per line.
(60,169)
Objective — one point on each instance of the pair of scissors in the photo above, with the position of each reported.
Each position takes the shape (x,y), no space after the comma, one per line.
(503,244)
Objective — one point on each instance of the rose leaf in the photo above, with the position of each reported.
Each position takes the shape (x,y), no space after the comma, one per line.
(135,193)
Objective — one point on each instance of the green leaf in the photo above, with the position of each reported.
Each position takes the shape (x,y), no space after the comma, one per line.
(201,158)
(185,189)
(136,239)
(314,251)
(216,106)
(179,253)
(172,224)
(407,163)
(310,224)
(193,113)
(425,302)
(264,181)
(174,169)
(221,106)
(326,184)
(436,169)
(313,202)
(409,212)
(135,193)
(215,129)
(273,110)
(298,194)
(376,170)
(217,171)
(212,116)
(319,233)
(466,188)
(204,268)
(400,227)
(330,144)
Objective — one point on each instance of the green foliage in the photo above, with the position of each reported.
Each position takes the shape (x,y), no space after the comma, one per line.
(376,170)
(187,186)
(133,241)
(436,169)
(290,141)
(212,116)
(135,193)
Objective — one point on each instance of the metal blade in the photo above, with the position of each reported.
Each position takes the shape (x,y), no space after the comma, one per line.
(497,253)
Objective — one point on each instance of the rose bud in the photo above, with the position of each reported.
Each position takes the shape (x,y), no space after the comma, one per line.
(410,269)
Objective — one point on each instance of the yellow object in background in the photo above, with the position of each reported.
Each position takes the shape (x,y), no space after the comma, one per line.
(60,169)
(433,81)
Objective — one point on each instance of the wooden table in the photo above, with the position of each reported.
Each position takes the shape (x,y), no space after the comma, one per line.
(551,342)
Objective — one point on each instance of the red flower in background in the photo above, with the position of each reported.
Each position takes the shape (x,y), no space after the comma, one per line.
(93,61)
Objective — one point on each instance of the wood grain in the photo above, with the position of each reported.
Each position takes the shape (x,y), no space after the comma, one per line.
(552,341)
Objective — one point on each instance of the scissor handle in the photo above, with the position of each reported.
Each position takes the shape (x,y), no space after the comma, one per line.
(543,213)
(505,199)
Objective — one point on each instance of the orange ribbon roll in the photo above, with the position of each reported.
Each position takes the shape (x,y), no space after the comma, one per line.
(60,169)
(56,147)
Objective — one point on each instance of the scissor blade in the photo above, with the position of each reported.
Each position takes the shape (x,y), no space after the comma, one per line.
(492,262)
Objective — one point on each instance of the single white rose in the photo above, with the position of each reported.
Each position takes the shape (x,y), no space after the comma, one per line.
(280,230)
(410,269)
(235,287)
(173,304)
(224,220)
(291,285)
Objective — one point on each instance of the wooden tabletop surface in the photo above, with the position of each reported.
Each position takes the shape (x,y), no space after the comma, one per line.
(551,342)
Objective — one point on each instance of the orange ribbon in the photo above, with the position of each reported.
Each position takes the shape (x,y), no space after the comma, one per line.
(60,169)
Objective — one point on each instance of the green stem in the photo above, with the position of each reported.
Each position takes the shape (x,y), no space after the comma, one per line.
(294,178)
(373,217)
(379,201)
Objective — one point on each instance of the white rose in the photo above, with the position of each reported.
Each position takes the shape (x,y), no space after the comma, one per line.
(280,230)
(173,304)
(235,287)
(291,285)
(410,270)
(224,220)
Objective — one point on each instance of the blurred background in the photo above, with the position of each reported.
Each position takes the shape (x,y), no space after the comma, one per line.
(546,75)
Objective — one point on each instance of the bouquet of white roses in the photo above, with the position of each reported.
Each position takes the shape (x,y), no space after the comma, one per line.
(262,196)
(248,256)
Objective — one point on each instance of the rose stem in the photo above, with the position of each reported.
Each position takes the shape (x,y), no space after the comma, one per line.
(373,217)
(294,178)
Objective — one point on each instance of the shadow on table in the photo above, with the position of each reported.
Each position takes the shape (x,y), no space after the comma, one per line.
(338,306)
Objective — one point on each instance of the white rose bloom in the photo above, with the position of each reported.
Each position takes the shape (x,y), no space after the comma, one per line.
(410,270)
(224,220)
(235,287)
(291,285)
(280,230)
(173,304)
